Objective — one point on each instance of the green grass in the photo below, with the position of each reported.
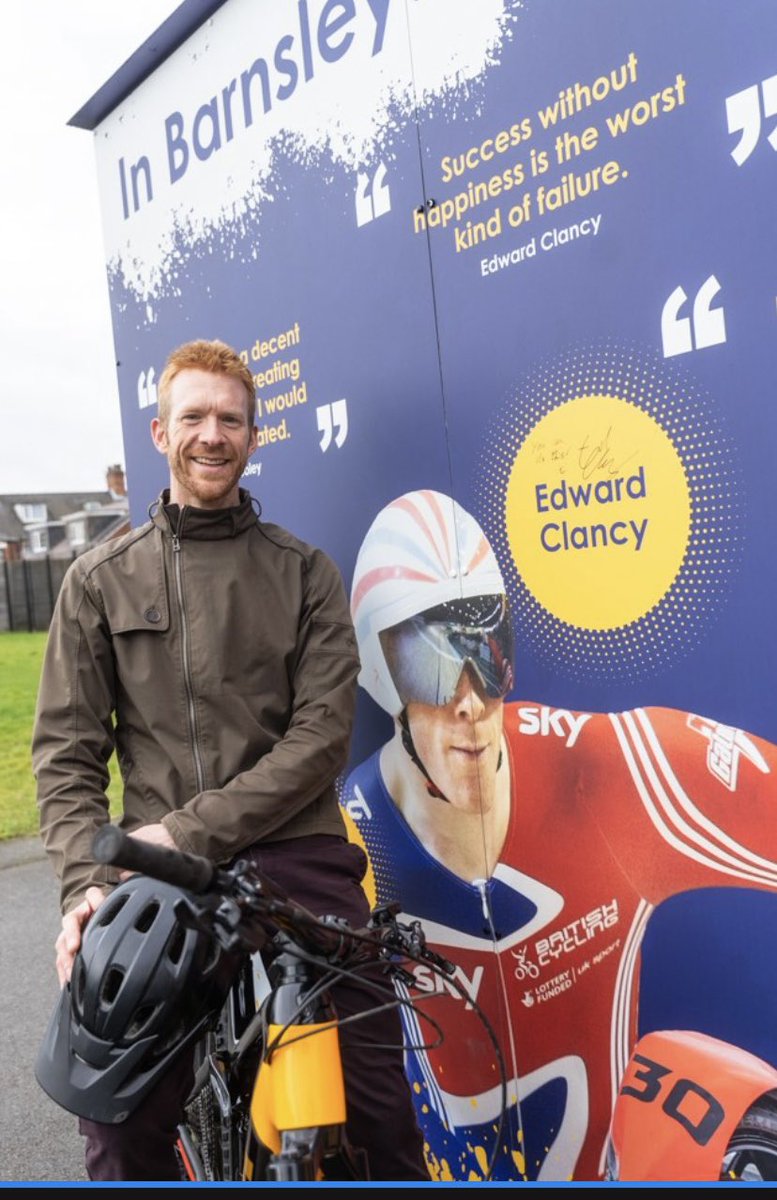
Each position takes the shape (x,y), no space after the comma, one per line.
(21,656)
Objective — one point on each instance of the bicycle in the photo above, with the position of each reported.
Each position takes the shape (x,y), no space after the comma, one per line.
(268,1101)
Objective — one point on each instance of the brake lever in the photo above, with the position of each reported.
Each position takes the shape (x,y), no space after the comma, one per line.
(384,914)
(410,939)
(418,943)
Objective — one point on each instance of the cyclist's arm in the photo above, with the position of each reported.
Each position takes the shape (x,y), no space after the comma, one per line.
(686,801)
(303,765)
(73,739)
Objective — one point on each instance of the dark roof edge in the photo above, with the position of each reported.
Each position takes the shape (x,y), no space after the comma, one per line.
(171,34)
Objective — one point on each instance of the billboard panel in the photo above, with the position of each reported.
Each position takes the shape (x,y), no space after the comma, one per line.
(503,274)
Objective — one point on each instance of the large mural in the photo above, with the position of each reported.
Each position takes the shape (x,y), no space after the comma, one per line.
(504,275)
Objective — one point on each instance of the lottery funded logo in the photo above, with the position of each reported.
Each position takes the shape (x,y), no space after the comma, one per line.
(598,512)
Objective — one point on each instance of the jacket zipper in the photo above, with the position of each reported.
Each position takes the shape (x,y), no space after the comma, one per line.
(199,770)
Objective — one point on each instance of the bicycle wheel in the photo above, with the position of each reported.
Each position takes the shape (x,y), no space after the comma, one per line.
(751,1155)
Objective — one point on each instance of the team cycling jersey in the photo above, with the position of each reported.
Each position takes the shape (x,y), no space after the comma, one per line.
(610,815)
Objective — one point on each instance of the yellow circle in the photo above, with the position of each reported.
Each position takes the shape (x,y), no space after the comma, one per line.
(598,512)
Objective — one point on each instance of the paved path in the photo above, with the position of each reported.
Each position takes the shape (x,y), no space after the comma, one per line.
(38,1140)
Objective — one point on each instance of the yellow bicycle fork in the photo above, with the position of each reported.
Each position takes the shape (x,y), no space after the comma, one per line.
(298,1108)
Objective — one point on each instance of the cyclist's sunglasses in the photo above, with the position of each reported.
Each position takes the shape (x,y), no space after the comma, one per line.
(427,653)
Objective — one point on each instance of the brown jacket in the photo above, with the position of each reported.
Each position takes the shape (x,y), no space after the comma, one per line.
(220,660)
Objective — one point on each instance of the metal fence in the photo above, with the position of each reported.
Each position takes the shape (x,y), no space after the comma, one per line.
(29,590)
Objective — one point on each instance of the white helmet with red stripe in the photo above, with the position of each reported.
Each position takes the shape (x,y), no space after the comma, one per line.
(422,550)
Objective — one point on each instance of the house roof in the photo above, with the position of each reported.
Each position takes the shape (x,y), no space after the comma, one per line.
(112,519)
(58,505)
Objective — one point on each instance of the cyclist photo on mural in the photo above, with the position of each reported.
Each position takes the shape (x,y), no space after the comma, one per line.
(534,842)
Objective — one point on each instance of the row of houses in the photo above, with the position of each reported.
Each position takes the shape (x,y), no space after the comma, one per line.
(41,534)
(63,524)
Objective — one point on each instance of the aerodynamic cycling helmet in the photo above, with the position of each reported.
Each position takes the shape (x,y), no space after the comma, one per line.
(428,599)
(144,985)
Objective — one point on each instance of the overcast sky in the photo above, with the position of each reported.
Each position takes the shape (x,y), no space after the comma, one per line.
(59,414)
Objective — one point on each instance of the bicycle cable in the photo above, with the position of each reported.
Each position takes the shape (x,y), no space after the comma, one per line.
(398,1002)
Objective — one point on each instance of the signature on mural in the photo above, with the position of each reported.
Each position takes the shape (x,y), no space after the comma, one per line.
(595,455)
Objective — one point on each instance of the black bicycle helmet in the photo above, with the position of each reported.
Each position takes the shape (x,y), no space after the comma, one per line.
(144,985)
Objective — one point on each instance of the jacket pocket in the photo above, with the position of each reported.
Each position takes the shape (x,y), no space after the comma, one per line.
(132,592)
(154,618)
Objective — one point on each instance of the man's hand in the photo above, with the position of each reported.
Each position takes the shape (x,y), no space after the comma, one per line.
(69,939)
(157,835)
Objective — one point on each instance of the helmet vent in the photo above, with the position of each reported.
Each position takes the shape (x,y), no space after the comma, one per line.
(176,943)
(110,909)
(78,984)
(114,977)
(140,1019)
(147,916)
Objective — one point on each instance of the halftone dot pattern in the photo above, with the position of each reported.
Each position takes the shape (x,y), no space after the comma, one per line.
(689,417)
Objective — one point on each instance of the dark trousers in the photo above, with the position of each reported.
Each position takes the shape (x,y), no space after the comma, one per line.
(322,873)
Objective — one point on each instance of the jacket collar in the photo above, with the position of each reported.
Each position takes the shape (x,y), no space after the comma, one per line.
(203,524)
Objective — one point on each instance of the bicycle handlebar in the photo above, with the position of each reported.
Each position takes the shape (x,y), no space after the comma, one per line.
(257,899)
(113,846)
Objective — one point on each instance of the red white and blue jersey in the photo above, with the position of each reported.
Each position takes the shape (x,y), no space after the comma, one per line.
(610,815)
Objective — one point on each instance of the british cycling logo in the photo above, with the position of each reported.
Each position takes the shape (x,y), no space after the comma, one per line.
(726,747)
(565,941)
(577,933)
(525,968)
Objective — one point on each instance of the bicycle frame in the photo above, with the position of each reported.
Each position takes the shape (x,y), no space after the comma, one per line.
(297,1107)
(276,1080)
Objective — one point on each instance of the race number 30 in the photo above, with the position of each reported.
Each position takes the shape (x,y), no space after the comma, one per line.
(699,1120)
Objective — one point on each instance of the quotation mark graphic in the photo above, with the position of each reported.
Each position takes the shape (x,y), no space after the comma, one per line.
(373,198)
(705,327)
(332,418)
(743,110)
(146,389)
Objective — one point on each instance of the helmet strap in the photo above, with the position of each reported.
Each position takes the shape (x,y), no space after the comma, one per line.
(409,745)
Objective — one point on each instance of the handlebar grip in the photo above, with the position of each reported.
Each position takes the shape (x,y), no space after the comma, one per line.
(112,845)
